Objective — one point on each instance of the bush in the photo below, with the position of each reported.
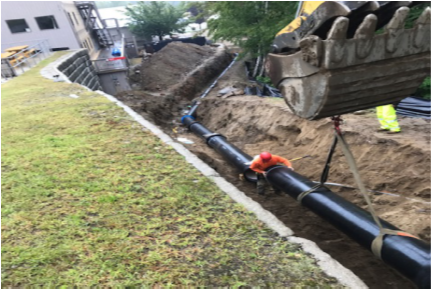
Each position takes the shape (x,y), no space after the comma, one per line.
(265,80)
(424,90)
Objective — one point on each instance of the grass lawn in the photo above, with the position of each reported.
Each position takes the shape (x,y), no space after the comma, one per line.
(91,200)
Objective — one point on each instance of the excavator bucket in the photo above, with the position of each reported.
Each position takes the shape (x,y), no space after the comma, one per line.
(335,62)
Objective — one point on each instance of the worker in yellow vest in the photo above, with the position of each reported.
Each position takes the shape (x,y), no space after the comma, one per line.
(387,118)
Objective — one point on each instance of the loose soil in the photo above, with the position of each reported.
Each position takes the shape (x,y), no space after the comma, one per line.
(392,163)
(171,64)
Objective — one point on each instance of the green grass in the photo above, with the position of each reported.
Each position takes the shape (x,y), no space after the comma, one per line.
(91,200)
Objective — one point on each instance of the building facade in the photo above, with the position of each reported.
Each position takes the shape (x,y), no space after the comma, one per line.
(59,22)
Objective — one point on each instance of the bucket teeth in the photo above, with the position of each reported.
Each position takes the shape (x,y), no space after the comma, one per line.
(347,66)
(366,30)
(422,34)
(365,36)
(425,17)
(398,20)
(339,29)
(336,38)
(374,5)
(394,29)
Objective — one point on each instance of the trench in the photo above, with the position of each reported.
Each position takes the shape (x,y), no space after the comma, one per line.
(312,227)
(166,113)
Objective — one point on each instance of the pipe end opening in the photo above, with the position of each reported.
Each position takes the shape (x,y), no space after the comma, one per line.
(250,175)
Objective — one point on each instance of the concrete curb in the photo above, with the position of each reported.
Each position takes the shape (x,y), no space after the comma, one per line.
(52,69)
(269,219)
(329,266)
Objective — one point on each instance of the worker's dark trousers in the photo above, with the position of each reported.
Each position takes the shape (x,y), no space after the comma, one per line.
(262,184)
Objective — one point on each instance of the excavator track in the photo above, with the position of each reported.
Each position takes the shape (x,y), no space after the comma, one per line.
(351,67)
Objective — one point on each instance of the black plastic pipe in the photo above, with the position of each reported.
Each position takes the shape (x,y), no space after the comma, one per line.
(231,153)
(192,111)
(410,256)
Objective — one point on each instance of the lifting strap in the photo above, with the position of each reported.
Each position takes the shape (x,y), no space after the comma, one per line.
(377,243)
(324,174)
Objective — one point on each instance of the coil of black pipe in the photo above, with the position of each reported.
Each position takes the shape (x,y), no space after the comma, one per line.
(410,256)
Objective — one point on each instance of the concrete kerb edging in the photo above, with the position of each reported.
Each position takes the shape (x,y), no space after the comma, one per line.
(329,266)
(52,69)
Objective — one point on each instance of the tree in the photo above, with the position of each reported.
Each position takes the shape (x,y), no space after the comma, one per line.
(252,25)
(200,11)
(155,18)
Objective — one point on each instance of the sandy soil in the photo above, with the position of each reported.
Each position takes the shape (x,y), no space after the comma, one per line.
(393,163)
(171,64)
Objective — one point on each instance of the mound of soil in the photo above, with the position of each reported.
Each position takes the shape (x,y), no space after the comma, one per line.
(394,163)
(171,64)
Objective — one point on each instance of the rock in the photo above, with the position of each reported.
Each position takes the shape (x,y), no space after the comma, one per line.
(226,90)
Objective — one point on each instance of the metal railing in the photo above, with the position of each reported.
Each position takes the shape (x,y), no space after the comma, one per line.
(119,63)
(110,64)
(23,60)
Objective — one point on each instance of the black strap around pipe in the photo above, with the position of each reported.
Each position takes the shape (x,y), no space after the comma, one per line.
(410,256)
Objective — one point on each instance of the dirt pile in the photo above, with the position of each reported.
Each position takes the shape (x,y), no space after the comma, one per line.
(171,64)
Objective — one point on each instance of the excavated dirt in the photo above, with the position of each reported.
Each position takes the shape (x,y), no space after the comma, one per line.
(393,163)
(171,64)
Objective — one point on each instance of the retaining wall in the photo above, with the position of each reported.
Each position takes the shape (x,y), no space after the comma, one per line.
(78,68)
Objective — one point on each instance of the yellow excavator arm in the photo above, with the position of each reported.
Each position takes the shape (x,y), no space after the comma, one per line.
(330,60)
(305,9)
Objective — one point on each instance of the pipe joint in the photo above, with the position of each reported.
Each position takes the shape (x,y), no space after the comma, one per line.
(209,136)
(183,119)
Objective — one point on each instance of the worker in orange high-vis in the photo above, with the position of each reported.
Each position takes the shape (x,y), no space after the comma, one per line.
(261,163)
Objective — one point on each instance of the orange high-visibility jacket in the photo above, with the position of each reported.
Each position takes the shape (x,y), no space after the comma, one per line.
(259,166)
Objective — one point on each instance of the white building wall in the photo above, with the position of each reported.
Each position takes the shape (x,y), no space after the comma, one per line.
(64,36)
(78,25)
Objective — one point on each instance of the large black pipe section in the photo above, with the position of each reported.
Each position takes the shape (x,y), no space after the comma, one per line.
(410,256)
(231,153)
(192,111)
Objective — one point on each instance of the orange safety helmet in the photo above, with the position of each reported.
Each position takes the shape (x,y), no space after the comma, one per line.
(265,156)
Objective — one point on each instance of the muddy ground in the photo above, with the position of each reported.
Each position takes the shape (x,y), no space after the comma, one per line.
(392,163)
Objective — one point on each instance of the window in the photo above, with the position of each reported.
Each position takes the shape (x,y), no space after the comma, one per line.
(46,22)
(18,25)
(76,20)
(70,18)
